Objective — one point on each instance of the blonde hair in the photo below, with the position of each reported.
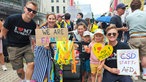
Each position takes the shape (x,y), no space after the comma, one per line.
(32,2)
(111,26)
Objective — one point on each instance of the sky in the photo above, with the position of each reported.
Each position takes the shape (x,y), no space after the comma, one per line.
(97,6)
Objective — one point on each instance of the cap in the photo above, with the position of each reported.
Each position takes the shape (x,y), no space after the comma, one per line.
(100,31)
(59,15)
(121,5)
(86,33)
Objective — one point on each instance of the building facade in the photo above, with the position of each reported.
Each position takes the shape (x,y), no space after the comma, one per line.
(57,6)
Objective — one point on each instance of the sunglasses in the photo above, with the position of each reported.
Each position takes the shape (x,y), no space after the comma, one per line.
(33,11)
(110,34)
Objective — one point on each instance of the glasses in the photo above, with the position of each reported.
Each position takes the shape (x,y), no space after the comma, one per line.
(33,11)
(110,34)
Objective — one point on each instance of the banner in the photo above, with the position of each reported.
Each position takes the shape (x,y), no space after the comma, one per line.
(128,61)
(45,36)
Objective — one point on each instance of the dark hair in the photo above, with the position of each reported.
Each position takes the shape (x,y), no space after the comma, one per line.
(135,4)
(81,23)
(81,14)
(67,16)
(88,20)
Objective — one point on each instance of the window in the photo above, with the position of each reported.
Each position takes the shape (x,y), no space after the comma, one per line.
(57,8)
(52,8)
(52,1)
(63,1)
(57,0)
(63,9)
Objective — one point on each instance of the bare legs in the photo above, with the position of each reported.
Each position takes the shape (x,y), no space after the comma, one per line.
(28,74)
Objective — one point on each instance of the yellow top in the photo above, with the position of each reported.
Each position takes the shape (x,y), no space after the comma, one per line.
(94,27)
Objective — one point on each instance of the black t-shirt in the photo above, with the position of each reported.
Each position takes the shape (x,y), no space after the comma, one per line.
(84,55)
(112,60)
(118,22)
(18,30)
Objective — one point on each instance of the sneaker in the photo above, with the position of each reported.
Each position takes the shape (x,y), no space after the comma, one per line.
(144,76)
(134,77)
(4,68)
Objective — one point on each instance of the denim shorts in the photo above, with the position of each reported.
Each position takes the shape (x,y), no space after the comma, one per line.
(16,55)
(86,65)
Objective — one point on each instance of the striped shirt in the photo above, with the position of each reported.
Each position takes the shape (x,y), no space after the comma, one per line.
(43,64)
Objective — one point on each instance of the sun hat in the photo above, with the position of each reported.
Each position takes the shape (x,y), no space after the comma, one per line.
(100,31)
(86,33)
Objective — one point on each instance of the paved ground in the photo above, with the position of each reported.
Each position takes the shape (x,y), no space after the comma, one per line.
(11,76)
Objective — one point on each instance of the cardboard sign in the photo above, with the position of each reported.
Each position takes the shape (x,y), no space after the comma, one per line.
(45,36)
(128,61)
(100,52)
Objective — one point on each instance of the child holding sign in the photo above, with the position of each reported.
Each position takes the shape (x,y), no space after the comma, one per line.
(111,72)
(95,64)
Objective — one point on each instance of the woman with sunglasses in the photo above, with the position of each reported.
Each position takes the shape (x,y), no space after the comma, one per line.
(43,54)
(111,72)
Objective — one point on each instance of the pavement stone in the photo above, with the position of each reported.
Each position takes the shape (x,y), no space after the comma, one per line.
(11,76)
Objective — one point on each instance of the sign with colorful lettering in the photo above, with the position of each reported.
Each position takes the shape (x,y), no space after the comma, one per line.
(128,62)
(101,52)
(45,36)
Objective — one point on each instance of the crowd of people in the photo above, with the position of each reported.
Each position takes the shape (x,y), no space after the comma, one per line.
(17,29)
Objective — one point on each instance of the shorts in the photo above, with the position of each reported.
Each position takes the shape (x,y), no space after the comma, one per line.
(94,69)
(86,65)
(16,55)
(138,43)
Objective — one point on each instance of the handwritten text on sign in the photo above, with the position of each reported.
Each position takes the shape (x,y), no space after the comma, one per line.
(45,36)
(100,52)
(128,61)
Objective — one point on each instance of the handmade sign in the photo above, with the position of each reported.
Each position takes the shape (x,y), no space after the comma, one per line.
(45,36)
(128,62)
(100,52)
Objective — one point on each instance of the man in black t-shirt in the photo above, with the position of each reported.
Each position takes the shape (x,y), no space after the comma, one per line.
(111,72)
(17,29)
(116,20)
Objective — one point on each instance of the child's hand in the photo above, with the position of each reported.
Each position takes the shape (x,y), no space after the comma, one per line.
(46,47)
(99,67)
(87,49)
